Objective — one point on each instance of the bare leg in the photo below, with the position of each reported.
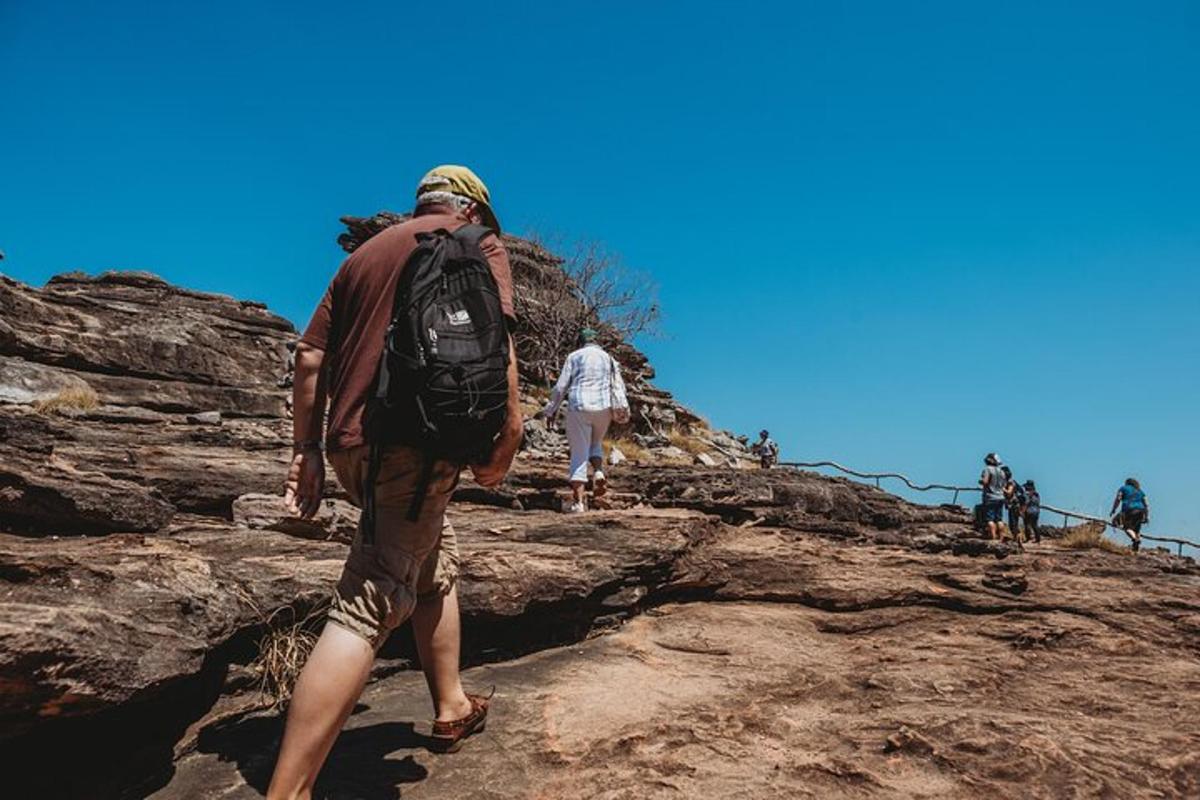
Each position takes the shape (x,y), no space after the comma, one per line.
(1134,536)
(329,685)
(992,532)
(577,491)
(437,630)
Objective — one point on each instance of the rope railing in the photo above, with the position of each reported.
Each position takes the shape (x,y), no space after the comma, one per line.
(1066,514)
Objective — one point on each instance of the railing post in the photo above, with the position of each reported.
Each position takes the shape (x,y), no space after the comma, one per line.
(956,497)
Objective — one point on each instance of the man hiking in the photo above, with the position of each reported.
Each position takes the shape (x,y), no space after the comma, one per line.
(404,560)
(766,449)
(993,481)
(1135,511)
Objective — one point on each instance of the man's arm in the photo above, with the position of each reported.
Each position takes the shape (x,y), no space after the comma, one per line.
(509,440)
(1116,502)
(306,477)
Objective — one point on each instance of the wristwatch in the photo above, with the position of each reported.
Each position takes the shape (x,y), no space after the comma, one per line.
(308,444)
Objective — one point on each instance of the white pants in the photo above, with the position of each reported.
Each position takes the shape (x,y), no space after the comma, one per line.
(585,432)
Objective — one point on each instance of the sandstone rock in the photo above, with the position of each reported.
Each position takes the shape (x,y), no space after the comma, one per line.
(794,622)
(140,341)
(615,456)
(705,460)
(90,624)
(540,442)
(336,519)
(793,696)
(205,418)
(670,452)
(135,415)
(27,382)
(48,496)
(90,628)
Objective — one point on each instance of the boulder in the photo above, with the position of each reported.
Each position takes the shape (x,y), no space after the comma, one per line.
(44,496)
(138,340)
(28,382)
(92,624)
(705,460)
(541,442)
(335,519)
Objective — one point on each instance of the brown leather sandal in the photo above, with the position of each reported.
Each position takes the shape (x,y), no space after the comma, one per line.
(448,737)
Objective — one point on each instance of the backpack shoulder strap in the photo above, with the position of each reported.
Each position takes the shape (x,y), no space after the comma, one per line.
(472,234)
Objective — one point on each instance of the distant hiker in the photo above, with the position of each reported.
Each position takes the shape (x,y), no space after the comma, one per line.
(592,386)
(1014,499)
(1135,511)
(1033,509)
(993,481)
(766,450)
(404,559)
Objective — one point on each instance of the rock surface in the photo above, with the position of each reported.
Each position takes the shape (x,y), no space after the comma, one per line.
(828,670)
(713,632)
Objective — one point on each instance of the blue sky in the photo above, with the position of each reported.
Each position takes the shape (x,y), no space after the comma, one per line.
(898,235)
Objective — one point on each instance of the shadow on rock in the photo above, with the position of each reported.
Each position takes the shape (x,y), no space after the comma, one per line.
(362,764)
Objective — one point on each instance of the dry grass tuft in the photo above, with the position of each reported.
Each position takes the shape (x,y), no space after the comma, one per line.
(79,398)
(283,650)
(688,443)
(1088,537)
(632,450)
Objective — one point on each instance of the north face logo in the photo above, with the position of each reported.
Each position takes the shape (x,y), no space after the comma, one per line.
(460,317)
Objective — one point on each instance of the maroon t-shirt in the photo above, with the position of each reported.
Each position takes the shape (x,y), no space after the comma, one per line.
(354,314)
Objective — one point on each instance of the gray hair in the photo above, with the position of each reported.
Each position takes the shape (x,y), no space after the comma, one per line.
(443,198)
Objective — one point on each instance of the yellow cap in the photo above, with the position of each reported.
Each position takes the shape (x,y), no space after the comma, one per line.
(461,181)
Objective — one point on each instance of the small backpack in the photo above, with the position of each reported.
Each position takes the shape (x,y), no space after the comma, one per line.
(442,384)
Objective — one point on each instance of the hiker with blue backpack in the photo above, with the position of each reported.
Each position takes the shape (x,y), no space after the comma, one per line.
(411,346)
(1135,511)
(594,393)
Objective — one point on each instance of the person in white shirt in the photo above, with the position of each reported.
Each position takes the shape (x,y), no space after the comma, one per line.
(594,392)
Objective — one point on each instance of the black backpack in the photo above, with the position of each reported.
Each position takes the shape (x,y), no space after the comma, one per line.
(442,384)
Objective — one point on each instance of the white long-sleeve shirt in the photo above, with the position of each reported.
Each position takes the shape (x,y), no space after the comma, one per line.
(590,380)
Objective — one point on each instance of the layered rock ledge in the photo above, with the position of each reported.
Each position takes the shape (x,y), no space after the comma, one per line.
(712,631)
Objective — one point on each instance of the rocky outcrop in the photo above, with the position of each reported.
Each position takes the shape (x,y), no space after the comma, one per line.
(139,341)
(712,631)
(826,669)
(88,625)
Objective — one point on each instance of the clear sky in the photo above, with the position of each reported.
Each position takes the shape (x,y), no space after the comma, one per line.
(897,234)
